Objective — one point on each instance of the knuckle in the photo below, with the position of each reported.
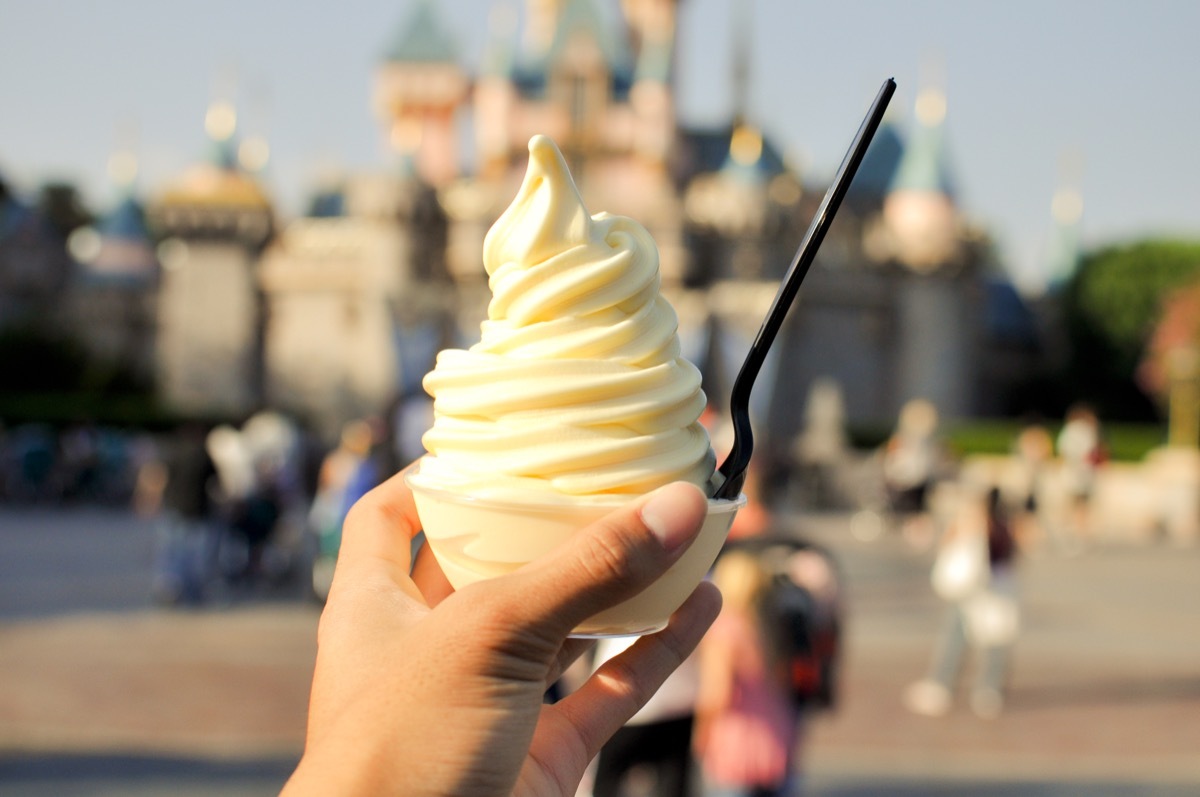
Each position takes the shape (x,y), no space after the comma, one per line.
(609,558)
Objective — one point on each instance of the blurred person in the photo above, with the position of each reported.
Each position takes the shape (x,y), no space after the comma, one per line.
(1082,451)
(974,573)
(254,518)
(746,725)
(375,466)
(657,740)
(262,498)
(1033,450)
(804,609)
(177,488)
(420,690)
(79,462)
(910,461)
(821,447)
(412,417)
(330,503)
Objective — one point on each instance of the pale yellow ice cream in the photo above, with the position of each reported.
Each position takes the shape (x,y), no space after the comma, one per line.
(577,389)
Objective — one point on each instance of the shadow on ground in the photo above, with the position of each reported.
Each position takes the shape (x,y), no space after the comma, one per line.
(137,775)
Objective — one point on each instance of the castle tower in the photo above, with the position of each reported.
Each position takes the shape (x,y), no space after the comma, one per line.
(541,21)
(939,348)
(214,220)
(419,89)
(919,211)
(650,21)
(495,95)
(652,32)
(581,67)
(1066,210)
(113,297)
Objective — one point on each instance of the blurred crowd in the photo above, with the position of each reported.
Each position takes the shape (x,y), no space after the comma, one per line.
(237,509)
(83,463)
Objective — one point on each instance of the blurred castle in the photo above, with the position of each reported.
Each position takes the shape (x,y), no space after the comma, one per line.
(339,313)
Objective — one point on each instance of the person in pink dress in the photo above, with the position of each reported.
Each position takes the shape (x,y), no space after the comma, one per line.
(746,725)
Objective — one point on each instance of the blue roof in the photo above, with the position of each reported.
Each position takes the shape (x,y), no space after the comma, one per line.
(582,16)
(423,38)
(578,16)
(924,165)
(12,214)
(126,221)
(878,167)
(708,151)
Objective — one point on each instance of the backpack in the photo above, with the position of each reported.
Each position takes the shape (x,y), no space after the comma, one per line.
(805,646)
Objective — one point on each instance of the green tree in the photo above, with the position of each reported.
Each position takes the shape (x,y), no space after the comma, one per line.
(1111,307)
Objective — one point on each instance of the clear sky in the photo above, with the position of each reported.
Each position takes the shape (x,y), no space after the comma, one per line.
(1109,86)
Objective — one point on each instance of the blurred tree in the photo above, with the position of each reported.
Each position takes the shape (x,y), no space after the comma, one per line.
(32,359)
(62,205)
(1111,306)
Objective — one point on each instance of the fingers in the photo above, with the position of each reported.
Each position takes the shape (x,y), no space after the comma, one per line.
(609,561)
(379,529)
(623,684)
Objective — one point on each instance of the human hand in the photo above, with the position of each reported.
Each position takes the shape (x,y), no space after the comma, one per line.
(419,690)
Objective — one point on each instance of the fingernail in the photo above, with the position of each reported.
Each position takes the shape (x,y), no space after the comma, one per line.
(668,517)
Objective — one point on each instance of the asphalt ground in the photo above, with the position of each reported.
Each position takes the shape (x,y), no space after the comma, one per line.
(104,693)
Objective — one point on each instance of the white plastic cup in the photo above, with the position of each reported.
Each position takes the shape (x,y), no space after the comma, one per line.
(475,539)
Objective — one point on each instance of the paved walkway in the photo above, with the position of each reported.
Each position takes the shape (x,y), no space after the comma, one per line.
(101,693)
(1105,680)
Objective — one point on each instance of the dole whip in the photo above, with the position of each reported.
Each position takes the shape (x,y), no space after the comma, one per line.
(575,400)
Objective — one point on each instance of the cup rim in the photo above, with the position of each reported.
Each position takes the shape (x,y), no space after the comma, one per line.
(584,503)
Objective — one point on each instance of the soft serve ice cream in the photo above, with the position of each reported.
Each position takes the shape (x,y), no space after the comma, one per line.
(577,389)
(575,400)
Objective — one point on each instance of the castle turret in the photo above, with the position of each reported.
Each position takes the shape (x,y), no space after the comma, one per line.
(919,211)
(587,68)
(1062,259)
(419,89)
(215,220)
(940,291)
(496,95)
(652,33)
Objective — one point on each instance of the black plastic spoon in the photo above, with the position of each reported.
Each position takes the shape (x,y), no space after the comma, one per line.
(731,476)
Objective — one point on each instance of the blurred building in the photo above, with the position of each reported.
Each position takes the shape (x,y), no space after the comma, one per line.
(339,313)
(215,220)
(35,268)
(113,294)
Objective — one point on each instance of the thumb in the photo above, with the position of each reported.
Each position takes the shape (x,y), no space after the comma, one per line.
(609,561)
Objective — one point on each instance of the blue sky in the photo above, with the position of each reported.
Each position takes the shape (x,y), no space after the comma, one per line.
(1106,85)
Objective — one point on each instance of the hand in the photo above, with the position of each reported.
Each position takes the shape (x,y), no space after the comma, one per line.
(419,690)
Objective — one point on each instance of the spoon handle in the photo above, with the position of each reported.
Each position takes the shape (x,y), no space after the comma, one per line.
(734,466)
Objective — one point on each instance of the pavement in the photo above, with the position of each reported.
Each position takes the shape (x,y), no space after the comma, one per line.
(104,693)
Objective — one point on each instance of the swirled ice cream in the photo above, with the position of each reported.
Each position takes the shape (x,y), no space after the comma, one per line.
(575,400)
(576,389)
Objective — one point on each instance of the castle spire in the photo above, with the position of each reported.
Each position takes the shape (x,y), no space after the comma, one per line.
(920,210)
(419,89)
(924,165)
(1066,210)
(740,65)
